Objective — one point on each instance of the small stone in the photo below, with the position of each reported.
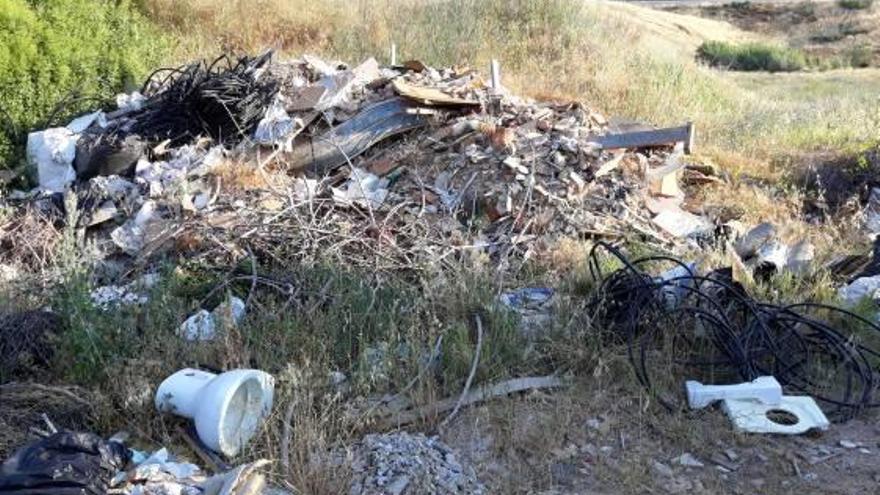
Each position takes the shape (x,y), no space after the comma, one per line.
(847,444)
(810,476)
(731,454)
(688,460)
(864,450)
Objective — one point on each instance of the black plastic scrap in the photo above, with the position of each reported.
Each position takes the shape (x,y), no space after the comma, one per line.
(64,463)
(335,147)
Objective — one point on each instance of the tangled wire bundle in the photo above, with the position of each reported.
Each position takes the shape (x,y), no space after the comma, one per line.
(224,100)
(682,325)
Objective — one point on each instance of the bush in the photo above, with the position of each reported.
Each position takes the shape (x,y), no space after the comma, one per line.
(751,56)
(855,4)
(65,55)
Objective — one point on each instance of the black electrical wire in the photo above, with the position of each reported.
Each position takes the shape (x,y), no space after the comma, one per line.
(223,99)
(706,327)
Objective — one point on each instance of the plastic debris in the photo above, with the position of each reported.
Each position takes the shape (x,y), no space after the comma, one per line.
(64,463)
(277,128)
(130,102)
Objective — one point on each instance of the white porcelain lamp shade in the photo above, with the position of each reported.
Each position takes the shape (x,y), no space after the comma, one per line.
(227,408)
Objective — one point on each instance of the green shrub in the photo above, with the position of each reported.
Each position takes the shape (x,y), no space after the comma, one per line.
(855,4)
(65,55)
(751,56)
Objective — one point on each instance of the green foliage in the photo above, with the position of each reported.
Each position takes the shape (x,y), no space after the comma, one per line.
(855,4)
(752,56)
(65,54)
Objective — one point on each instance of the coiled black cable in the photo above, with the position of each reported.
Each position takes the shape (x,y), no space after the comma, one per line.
(707,328)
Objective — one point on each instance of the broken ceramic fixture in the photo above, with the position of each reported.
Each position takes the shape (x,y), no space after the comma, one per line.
(227,408)
(793,415)
(764,389)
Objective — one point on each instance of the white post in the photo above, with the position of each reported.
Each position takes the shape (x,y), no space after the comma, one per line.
(496,75)
(393,54)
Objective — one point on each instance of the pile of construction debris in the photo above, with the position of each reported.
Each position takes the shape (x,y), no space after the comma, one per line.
(368,159)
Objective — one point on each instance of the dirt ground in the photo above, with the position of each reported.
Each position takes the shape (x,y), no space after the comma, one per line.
(821,29)
(588,442)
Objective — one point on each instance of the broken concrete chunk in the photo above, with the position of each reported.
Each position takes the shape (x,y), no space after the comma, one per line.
(800,258)
(202,326)
(51,152)
(749,244)
(861,288)
(682,224)
(362,188)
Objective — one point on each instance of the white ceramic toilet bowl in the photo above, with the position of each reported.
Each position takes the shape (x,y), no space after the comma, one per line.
(227,408)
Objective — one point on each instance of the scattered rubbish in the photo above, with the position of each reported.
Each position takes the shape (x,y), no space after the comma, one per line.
(860,289)
(110,296)
(51,152)
(362,188)
(399,463)
(660,137)
(800,258)
(339,145)
(64,463)
(688,460)
(754,240)
(130,102)
(398,418)
(203,324)
(720,334)
(764,389)
(277,127)
(791,416)
(429,96)
(534,305)
(159,474)
(682,224)
(227,408)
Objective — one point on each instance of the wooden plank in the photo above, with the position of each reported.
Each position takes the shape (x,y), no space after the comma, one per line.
(646,139)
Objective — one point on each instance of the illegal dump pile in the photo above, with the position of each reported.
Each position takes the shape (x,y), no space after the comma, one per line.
(281,163)
(379,166)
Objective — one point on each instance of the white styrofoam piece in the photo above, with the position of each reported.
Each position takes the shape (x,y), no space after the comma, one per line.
(764,389)
(51,153)
(750,415)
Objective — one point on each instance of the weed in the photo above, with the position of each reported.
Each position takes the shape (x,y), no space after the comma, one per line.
(752,56)
(855,4)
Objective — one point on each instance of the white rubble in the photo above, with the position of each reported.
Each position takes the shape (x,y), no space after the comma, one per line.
(202,326)
(51,153)
(362,188)
(859,289)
